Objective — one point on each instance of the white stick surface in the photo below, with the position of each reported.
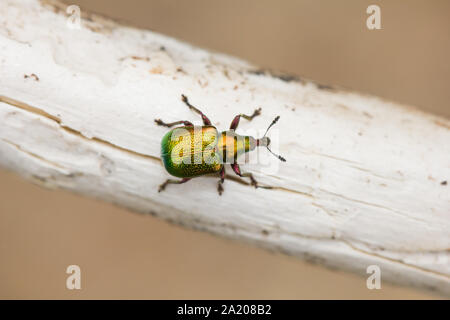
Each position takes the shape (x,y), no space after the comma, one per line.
(364,181)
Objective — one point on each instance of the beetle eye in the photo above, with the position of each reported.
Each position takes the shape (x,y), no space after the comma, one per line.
(268,141)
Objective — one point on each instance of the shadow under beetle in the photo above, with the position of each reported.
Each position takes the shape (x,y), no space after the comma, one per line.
(206,142)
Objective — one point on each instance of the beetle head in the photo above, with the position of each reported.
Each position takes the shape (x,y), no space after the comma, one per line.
(263,142)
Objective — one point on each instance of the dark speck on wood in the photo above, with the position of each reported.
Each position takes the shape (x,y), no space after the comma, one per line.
(288,78)
(324,86)
(35,77)
(282,76)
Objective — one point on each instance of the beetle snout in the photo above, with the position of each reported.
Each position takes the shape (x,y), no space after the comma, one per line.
(263,142)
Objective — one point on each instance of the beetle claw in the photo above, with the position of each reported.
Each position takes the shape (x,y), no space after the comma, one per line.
(159,122)
(253,182)
(163,186)
(220,188)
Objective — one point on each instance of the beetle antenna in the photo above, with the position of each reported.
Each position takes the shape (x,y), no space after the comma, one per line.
(273,122)
(276,155)
(268,142)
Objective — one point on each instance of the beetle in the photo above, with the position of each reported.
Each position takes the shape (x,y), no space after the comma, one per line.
(183,145)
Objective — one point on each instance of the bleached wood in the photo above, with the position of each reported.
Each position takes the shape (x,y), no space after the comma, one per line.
(364,179)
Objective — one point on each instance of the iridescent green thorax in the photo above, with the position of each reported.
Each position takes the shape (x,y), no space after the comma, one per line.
(231,145)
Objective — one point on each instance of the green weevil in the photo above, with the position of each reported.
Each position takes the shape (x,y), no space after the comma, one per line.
(181,146)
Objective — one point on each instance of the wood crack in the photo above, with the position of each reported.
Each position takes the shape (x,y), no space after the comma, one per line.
(40,112)
(34,155)
(373,205)
(348,243)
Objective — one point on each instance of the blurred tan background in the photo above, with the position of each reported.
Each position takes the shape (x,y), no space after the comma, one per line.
(126,255)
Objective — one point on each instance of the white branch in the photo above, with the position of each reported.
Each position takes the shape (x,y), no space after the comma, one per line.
(364,179)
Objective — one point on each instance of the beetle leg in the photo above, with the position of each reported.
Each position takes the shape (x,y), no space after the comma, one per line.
(205,119)
(253,182)
(236,119)
(171,181)
(222,179)
(159,122)
(237,170)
